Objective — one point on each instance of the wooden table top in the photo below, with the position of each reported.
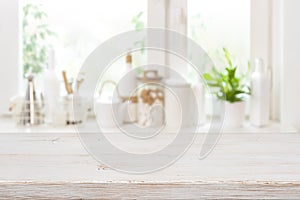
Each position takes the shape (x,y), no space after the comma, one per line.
(54,164)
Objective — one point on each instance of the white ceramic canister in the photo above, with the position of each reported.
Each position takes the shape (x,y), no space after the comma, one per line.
(199,93)
(109,110)
(179,104)
(109,114)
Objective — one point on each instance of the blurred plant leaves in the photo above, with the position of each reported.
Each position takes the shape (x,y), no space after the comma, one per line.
(36,35)
(229,87)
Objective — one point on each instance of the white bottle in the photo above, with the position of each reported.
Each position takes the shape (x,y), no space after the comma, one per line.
(51,89)
(200,101)
(127,88)
(127,84)
(260,98)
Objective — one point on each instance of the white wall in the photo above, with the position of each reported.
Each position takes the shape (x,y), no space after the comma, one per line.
(9,51)
(290,38)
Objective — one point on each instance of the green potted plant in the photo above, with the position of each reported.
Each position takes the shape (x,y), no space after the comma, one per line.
(231,88)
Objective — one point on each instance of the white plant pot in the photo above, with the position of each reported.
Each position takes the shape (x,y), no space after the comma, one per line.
(234,114)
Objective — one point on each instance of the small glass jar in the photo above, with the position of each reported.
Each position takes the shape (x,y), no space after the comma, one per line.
(150,99)
(71,110)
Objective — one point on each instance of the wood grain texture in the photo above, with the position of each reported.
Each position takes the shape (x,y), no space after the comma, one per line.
(149,191)
(54,165)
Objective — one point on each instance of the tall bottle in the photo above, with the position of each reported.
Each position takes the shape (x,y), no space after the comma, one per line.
(260,98)
(127,84)
(51,88)
(127,89)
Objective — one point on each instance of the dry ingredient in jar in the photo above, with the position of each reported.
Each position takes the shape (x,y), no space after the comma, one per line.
(150,96)
(150,99)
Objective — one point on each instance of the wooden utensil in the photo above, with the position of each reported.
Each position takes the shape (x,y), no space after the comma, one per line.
(67,86)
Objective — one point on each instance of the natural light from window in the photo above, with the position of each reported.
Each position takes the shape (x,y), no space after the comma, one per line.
(215,24)
(82,25)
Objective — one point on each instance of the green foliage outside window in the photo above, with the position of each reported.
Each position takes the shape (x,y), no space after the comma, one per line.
(36,35)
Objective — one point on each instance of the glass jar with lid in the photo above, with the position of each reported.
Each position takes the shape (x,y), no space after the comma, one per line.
(150,99)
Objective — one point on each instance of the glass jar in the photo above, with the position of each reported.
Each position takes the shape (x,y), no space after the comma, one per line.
(71,109)
(150,99)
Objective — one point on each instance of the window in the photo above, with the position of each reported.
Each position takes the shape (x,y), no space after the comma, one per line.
(215,24)
(82,25)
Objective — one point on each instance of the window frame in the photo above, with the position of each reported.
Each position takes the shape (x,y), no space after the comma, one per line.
(162,13)
(262,38)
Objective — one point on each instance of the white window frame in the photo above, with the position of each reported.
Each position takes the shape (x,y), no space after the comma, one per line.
(163,14)
(263,45)
(262,37)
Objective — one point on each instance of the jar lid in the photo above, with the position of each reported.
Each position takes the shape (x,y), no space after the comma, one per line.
(150,76)
(129,58)
(178,83)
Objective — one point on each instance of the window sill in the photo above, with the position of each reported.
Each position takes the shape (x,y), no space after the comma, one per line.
(9,126)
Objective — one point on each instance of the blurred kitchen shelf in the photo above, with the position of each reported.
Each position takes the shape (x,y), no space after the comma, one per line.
(7,125)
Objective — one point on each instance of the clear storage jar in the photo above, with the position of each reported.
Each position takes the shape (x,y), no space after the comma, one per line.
(71,110)
(150,99)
